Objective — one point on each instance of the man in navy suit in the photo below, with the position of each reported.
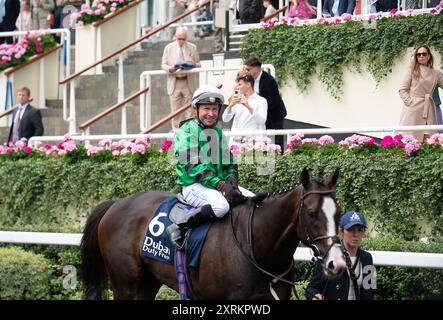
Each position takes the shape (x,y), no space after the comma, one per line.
(250,11)
(27,120)
(266,87)
(336,8)
(9,11)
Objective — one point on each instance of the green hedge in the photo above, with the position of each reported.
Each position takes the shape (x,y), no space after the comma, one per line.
(397,193)
(298,53)
(49,272)
(23,275)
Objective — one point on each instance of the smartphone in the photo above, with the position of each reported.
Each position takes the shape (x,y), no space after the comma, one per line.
(236,94)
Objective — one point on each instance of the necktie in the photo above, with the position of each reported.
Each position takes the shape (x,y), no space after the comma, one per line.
(18,118)
(181,54)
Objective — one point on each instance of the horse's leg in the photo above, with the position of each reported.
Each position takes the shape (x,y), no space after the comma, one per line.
(148,286)
(125,271)
(124,284)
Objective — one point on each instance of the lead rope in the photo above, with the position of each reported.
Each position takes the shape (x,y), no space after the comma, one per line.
(252,259)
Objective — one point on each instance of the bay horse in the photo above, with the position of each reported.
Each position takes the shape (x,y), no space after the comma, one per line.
(242,252)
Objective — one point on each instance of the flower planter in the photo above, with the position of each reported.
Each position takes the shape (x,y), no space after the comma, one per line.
(97,40)
(28,75)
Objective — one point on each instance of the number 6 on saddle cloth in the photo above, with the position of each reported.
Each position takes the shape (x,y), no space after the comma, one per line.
(157,244)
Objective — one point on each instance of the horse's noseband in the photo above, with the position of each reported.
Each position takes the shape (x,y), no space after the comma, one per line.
(308,234)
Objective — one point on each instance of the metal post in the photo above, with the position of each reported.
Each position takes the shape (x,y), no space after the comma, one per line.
(41,87)
(148,98)
(319,9)
(227,31)
(86,133)
(61,66)
(142,104)
(72,125)
(98,50)
(64,90)
(121,92)
(138,46)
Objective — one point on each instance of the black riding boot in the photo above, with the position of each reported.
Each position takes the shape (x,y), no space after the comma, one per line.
(193,219)
(197,217)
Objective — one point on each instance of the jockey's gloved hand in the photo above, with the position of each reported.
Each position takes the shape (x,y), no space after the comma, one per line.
(233,180)
(230,192)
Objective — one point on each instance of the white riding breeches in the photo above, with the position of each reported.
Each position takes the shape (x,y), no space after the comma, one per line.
(198,195)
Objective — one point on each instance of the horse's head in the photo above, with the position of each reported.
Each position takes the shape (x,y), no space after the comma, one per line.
(318,222)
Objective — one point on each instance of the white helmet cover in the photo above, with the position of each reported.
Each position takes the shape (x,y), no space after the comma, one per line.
(207,94)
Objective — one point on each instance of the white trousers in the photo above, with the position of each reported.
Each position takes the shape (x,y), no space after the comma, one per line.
(198,195)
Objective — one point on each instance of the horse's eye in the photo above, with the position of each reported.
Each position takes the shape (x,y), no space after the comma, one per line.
(311,212)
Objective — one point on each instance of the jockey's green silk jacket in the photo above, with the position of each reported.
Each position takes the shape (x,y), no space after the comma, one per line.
(202,155)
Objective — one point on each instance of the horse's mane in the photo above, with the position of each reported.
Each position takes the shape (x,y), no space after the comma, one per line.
(261,196)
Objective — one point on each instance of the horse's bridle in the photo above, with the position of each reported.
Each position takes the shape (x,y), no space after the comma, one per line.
(310,238)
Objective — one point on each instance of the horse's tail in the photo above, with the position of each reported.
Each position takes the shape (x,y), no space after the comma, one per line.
(92,269)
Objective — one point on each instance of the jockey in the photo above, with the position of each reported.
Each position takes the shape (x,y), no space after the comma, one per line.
(205,167)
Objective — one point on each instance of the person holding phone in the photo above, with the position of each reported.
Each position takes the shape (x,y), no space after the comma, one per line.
(248,109)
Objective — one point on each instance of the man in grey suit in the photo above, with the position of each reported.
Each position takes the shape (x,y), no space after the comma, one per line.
(27,120)
(180,86)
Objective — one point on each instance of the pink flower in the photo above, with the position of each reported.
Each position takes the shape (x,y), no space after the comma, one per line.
(138,148)
(235,149)
(166,145)
(38,49)
(27,150)
(347,16)
(92,150)
(326,140)
(105,142)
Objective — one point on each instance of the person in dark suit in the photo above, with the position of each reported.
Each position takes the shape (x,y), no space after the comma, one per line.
(357,282)
(266,86)
(27,120)
(341,6)
(250,11)
(11,11)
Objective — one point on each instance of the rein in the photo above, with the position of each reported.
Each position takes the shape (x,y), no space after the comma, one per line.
(251,257)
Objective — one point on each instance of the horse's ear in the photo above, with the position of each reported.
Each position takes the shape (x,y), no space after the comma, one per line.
(333,179)
(305,178)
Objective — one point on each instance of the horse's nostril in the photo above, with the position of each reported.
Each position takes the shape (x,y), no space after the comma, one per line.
(330,266)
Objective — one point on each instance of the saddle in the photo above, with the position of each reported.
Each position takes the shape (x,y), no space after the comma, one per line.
(179,209)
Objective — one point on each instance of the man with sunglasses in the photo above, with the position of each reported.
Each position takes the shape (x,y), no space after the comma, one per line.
(358,281)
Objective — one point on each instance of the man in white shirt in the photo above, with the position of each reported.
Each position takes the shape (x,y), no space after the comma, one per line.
(248,109)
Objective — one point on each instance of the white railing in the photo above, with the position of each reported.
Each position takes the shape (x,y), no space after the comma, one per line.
(145,81)
(381,258)
(65,60)
(287,132)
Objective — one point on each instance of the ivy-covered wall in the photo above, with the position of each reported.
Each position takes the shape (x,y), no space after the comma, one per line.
(396,192)
(298,52)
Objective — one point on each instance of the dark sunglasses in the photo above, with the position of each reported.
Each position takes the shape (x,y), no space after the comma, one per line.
(247,78)
(422,54)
